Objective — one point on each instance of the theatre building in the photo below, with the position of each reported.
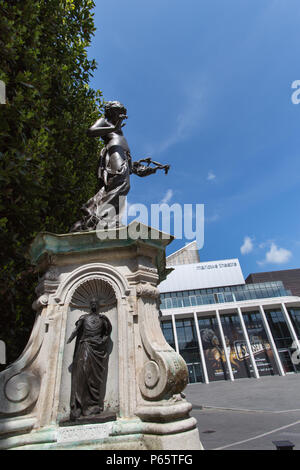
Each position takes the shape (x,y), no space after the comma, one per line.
(226,328)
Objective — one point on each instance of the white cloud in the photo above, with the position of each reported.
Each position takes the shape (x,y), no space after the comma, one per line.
(247,246)
(211,176)
(276,255)
(167,197)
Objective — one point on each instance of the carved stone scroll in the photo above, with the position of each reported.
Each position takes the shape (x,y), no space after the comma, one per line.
(19,387)
(165,373)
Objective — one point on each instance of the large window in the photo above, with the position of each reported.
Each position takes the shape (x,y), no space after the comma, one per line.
(236,346)
(187,344)
(283,339)
(223,294)
(279,328)
(295,318)
(189,348)
(187,340)
(167,330)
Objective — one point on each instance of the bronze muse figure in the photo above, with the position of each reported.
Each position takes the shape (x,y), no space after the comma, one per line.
(114,171)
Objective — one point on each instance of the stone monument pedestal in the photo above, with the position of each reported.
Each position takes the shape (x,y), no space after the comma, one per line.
(141,395)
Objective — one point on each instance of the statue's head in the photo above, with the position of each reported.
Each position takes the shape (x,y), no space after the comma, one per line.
(114,109)
(94,305)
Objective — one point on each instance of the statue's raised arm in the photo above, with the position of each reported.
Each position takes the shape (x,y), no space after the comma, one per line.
(102,127)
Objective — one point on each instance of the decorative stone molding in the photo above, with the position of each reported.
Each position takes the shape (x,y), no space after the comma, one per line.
(164,413)
(146,290)
(41,302)
(165,374)
(52,274)
(48,285)
(97,288)
(151,374)
(144,263)
(20,386)
(90,271)
(20,424)
(157,428)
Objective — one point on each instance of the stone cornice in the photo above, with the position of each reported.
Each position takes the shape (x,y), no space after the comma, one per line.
(46,246)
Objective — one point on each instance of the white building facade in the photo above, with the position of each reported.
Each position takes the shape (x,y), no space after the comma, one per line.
(226,329)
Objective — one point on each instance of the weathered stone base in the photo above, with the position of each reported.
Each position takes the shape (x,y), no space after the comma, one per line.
(86,438)
(182,441)
(145,376)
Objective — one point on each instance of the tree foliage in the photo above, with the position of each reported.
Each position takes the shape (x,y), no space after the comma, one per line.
(47,162)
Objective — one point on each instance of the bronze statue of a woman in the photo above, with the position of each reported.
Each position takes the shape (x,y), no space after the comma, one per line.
(89,362)
(114,171)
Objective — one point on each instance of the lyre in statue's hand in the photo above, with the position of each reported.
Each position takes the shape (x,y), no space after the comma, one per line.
(144,170)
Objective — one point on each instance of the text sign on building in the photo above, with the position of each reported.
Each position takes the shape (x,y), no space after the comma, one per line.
(205,275)
(217,266)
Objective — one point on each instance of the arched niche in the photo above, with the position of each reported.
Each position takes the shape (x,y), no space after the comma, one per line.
(78,299)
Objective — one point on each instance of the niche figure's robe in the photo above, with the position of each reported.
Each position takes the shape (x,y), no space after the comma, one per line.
(89,364)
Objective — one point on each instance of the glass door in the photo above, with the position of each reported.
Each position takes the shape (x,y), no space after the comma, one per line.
(285,357)
(195,373)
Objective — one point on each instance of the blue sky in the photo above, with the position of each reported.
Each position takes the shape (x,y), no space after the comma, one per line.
(207,86)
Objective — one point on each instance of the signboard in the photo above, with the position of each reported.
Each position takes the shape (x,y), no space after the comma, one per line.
(203,275)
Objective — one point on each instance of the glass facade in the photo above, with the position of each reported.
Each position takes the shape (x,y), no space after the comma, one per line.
(235,360)
(189,348)
(167,330)
(236,345)
(212,347)
(279,329)
(283,338)
(222,295)
(295,318)
(261,348)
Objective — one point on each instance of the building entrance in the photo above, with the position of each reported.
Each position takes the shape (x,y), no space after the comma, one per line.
(195,373)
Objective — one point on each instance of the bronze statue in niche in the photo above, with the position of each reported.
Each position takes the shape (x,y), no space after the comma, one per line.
(89,368)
